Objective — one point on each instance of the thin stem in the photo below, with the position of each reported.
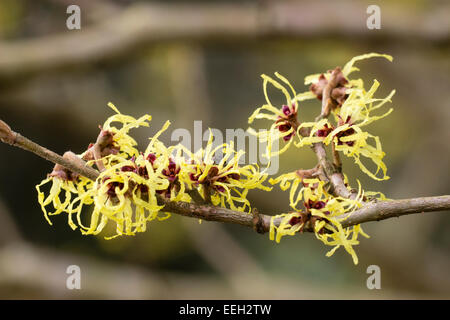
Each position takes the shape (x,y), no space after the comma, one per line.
(336,158)
(15,139)
(382,210)
(333,169)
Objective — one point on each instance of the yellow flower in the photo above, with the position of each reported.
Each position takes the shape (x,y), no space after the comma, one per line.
(217,174)
(121,136)
(348,135)
(167,163)
(351,114)
(293,181)
(125,191)
(285,122)
(63,182)
(58,185)
(346,71)
(324,213)
(116,140)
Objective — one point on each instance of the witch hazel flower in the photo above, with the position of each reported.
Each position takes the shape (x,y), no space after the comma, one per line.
(64,184)
(222,182)
(125,192)
(167,163)
(285,121)
(349,136)
(353,112)
(324,214)
(338,92)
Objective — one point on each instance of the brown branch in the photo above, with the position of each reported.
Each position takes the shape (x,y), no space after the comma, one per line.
(336,159)
(195,196)
(144,24)
(260,222)
(332,170)
(382,210)
(15,139)
(326,94)
(207,194)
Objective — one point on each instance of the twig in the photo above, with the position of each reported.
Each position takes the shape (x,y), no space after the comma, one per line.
(326,94)
(195,196)
(15,139)
(332,170)
(207,194)
(382,210)
(332,174)
(336,159)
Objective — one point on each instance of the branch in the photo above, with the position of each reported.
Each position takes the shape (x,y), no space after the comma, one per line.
(260,222)
(326,94)
(15,139)
(144,24)
(332,170)
(336,158)
(382,210)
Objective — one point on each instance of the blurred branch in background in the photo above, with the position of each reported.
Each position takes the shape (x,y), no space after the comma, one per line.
(143,24)
(28,271)
(24,266)
(93,11)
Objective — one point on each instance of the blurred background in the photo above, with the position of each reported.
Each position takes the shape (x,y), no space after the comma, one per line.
(202,60)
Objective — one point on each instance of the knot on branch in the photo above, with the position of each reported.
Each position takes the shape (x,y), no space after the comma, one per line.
(258,222)
(64,173)
(309,173)
(6,134)
(331,91)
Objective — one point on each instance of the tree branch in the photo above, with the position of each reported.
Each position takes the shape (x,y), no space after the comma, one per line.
(382,210)
(15,139)
(374,211)
(332,170)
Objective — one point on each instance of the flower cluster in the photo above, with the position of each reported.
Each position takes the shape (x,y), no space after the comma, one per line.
(323,212)
(132,186)
(352,108)
(223,182)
